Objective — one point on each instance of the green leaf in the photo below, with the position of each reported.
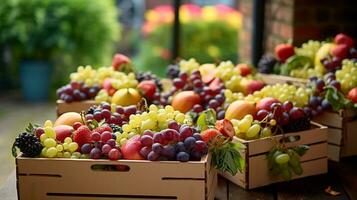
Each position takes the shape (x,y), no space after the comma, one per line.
(228,159)
(336,99)
(301,149)
(295,62)
(207,119)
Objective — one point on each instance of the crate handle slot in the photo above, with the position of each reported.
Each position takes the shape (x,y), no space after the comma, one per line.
(112,167)
(114,196)
(290,139)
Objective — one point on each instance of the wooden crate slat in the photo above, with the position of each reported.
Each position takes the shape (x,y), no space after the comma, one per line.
(313,167)
(63,107)
(334,152)
(186,189)
(331,119)
(190,180)
(257,173)
(167,169)
(311,136)
(350,139)
(274,79)
(334,136)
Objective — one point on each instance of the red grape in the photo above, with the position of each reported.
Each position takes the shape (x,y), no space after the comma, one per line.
(159,138)
(114,154)
(95,136)
(146,140)
(296,113)
(145,151)
(106,148)
(149,133)
(261,114)
(106,135)
(287,106)
(173,125)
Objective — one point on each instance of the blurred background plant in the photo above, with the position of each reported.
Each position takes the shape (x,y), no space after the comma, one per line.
(64,33)
(208,33)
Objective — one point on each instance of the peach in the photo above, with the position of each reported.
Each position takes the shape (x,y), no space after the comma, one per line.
(239,109)
(68,118)
(184,101)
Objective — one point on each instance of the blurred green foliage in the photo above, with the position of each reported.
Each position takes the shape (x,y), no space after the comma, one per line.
(205,41)
(66,33)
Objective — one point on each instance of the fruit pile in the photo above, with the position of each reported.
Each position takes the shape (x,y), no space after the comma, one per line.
(116,84)
(135,133)
(330,67)
(313,58)
(268,117)
(199,109)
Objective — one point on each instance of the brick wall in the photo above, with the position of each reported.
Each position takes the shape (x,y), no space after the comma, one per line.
(299,20)
(245,36)
(278,27)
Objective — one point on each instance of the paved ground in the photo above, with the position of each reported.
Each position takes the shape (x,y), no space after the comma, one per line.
(14,117)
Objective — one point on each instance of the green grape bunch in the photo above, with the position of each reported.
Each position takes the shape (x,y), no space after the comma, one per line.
(283,161)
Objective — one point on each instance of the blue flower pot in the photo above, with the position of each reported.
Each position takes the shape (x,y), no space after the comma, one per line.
(35,80)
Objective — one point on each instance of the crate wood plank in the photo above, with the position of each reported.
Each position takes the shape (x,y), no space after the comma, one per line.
(313,167)
(334,136)
(350,139)
(63,107)
(274,79)
(264,145)
(334,152)
(145,178)
(331,119)
(222,189)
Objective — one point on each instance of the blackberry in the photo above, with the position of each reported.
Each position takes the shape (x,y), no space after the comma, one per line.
(173,71)
(297,125)
(115,128)
(266,64)
(28,144)
(142,76)
(91,110)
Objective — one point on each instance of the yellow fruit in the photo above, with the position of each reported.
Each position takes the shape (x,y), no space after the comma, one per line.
(322,53)
(126,97)
(68,118)
(208,72)
(239,109)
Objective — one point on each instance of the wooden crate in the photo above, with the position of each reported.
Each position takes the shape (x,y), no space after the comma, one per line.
(79,106)
(271,79)
(74,179)
(257,173)
(342,137)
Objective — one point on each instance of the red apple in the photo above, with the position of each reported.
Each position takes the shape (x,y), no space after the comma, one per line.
(131,149)
(107,84)
(340,51)
(216,85)
(63,131)
(244,69)
(352,95)
(119,60)
(265,103)
(148,88)
(344,39)
(254,85)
